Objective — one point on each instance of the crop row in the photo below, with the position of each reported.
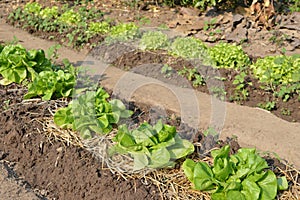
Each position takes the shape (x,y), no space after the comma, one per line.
(244,175)
(278,75)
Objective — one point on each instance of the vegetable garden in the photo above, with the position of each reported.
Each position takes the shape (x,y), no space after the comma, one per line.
(75,116)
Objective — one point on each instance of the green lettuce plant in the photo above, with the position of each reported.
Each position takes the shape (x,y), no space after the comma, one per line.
(55,83)
(151,146)
(280,74)
(231,56)
(91,113)
(154,40)
(188,47)
(123,32)
(17,64)
(242,176)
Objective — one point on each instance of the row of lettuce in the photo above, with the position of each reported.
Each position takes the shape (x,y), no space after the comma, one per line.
(278,75)
(244,175)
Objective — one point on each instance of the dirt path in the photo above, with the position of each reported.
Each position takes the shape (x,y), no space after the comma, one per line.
(252,126)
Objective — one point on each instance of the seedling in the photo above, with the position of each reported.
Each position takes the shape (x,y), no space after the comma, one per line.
(270,105)
(285,111)
(154,40)
(6,104)
(208,25)
(167,70)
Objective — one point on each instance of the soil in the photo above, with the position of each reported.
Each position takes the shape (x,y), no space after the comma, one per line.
(57,170)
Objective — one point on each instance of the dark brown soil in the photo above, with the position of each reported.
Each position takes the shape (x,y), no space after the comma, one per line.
(59,170)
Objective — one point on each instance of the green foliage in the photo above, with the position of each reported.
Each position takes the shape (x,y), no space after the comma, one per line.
(193,75)
(241,93)
(229,56)
(188,47)
(98,28)
(53,83)
(210,24)
(151,146)
(203,4)
(70,17)
(49,13)
(269,105)
(72,23)
(280,73)
(166,70)
(154,40)
(123,32)
(243,175)
(32,8)
(17,64)
(91,113)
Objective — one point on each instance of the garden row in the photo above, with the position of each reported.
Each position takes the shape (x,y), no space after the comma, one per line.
(278,76)
(244,175)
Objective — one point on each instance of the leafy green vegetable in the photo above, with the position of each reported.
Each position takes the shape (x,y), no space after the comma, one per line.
(123,32)
(239,176)
(33,8)
(50,13)
(227,55)
(16,64)
(154,40)
(188,47)
(280,74)
(91,113)
(70,17)
(49,83)
(98,27)
(151,146)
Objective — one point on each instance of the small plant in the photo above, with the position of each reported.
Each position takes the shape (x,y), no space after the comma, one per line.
(155,146)
(91,113)
(241,93)
(244,175)
(280,74)
(49,13)
(167,70)
(98,28)
(70,17)
(193,75)
(17,64)
(270,105)
(55,83)
(33,8)
(154,40)
(285,111)
(218,92)
(208,25)
(188,47)
(229,56)
(5,105)
(52,52)
(123,32)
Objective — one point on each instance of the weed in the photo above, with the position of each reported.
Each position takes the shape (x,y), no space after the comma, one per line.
(285,111)
(270,105)
(167,70)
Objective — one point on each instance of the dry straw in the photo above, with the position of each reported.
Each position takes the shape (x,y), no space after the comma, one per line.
(171,183)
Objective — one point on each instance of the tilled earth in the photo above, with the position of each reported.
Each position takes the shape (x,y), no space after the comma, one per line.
(56,169)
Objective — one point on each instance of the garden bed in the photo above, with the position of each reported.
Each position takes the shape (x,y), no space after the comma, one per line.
(64,166)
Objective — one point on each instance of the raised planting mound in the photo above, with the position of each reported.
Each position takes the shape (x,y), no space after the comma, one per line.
(78,148)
